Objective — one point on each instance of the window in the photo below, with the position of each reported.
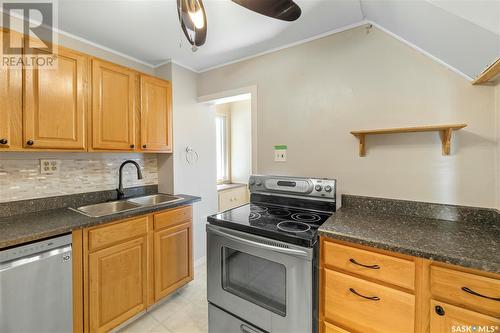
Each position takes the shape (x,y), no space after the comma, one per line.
(222,142)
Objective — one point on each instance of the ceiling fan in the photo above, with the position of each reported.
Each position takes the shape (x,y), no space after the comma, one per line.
(193,18)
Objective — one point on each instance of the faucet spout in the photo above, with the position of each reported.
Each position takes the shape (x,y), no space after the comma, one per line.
(119,190)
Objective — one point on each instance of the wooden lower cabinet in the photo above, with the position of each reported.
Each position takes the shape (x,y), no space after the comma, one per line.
(117,284)
(329,328)
(366,306)
(129,265)
(375,298)
(232,198)
(446,318)
(173,259)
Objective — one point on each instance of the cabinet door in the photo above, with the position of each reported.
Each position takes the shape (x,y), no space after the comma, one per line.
(117,284)
(173,259)
(448,318)
(55,102)
(10,98)
(113,106)
(156,114)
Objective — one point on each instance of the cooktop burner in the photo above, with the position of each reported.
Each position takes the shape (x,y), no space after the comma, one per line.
(294,225)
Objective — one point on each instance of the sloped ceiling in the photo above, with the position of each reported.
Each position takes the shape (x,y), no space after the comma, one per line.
(463,34)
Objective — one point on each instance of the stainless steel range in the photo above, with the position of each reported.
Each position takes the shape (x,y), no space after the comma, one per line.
(261,257)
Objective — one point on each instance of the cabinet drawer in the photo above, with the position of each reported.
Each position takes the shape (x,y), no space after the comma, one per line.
(457,288)
(391,311)
(452,319)
(396,271)
(107,235)
(233,198)
(173,217)
(329,328)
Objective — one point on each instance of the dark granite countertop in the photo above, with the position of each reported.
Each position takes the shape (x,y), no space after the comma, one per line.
(469,237)
(24,228)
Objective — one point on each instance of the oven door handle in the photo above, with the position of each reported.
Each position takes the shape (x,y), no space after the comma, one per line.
(293,252)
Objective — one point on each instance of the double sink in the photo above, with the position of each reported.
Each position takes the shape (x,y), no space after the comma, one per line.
(114,207)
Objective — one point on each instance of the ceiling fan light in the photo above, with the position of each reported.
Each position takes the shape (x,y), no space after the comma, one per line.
(197,17)
(193,20)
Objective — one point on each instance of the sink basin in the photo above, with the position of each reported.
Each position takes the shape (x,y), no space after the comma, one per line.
(154,199)
(107,208)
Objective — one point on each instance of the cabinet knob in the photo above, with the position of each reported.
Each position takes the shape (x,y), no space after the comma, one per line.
(3,141)
(144,146)
(439,310)
(30,142)
(132,146)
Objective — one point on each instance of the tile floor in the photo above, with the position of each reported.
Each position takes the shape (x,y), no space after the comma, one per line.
(185,311)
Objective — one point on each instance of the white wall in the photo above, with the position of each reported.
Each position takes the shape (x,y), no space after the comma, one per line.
(194,126)
(241,140)
(312,95)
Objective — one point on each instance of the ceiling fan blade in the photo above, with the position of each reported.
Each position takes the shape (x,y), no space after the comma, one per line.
(285,10)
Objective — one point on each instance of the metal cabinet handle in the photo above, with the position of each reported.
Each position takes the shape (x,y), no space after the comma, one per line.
(3,141)
(439,310)
(371,298)
(472,292)
(246,329)
(365,266)
(30,143)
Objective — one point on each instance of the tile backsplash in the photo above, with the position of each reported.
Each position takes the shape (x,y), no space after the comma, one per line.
(21,179)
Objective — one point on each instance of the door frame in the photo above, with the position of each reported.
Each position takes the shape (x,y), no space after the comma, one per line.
(211,100)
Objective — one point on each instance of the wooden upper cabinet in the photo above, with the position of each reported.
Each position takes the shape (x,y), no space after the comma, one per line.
(10,98)
(55,102)
(113,106)
(156,114)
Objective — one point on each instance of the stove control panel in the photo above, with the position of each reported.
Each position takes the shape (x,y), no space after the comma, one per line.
(293,186)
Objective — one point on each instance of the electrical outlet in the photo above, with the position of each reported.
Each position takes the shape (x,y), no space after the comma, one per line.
(49,166)
(280,155)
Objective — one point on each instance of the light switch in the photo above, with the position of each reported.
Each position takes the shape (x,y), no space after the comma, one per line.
(280,153)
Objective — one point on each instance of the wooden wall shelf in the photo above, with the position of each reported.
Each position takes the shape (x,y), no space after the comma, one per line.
(489,73)
(444,131)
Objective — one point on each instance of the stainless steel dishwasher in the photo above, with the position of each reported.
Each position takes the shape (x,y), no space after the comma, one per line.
(36,287)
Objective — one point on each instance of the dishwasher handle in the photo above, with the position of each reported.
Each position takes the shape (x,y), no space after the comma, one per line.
(65,250)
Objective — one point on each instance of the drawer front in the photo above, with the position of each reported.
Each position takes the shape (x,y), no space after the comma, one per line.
(447,284)
(396,271)
(329,328)
(393,311)
(455,319)
(233,198)
(104,236)
(173,217)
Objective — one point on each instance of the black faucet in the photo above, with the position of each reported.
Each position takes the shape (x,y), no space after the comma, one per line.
(121,194)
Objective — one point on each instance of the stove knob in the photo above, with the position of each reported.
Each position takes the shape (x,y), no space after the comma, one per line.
(328,188)
(251,182)
(318,188)
(259,183)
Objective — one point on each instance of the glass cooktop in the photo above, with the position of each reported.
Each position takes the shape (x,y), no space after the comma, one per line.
(296,226)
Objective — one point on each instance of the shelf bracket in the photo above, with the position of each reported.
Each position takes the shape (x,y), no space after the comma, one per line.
(446,140)
(362,147)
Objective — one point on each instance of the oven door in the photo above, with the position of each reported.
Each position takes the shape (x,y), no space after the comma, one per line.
(265,282)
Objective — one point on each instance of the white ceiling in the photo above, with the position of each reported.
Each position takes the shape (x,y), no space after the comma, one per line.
(465,34)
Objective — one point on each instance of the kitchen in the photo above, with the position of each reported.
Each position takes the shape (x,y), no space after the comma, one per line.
(388,103)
